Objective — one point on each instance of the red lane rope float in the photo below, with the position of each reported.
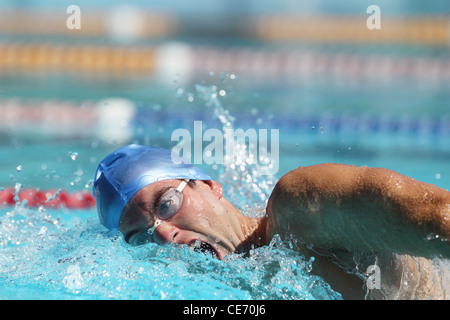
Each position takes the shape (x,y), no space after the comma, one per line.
(56,198)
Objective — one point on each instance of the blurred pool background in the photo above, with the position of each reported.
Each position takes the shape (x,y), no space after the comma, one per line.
(336,90)
(381,97)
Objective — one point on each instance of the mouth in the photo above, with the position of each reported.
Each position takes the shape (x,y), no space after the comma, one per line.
(204,247)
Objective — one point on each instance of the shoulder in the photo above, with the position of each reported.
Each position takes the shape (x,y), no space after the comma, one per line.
(325,177)
(344,177)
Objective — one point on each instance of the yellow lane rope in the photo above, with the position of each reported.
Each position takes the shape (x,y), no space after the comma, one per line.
(104,59)
(429,30)
(434,30)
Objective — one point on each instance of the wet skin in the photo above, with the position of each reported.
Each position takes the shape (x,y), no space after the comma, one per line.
(336,208)
(205,217)
(342,209)
(360,208)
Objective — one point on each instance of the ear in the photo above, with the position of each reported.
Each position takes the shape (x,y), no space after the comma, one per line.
(215,187)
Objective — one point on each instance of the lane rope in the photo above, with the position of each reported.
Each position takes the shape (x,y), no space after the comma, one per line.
(53,198)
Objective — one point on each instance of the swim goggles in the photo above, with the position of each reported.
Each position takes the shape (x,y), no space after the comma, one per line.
(167,207)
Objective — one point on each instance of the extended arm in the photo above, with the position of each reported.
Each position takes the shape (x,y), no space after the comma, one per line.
(335,206)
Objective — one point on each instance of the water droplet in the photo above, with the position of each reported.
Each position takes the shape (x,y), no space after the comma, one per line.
(19,168)
(89,184)
(432,236)
(180,92)
(42,231)
(73,155)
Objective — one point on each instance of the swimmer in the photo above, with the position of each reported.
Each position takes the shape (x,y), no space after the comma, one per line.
(337,211)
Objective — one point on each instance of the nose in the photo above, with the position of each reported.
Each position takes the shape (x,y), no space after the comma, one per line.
(165,233)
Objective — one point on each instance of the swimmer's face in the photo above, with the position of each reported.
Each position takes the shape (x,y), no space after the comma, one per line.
(204,220)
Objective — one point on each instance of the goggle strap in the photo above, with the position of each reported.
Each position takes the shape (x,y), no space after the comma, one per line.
(182,185)
(155,225)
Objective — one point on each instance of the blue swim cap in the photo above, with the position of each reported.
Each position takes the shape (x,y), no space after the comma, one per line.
(127,170)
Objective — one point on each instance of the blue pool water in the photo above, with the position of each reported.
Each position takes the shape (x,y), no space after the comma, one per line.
(133,74)
(66,254)
(75,258)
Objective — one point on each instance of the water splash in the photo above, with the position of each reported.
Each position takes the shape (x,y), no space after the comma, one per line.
(57,254)
(242,178)
(72,257)
(52,197)
(17,188)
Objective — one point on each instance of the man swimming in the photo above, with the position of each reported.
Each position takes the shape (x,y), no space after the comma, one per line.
(335,210)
